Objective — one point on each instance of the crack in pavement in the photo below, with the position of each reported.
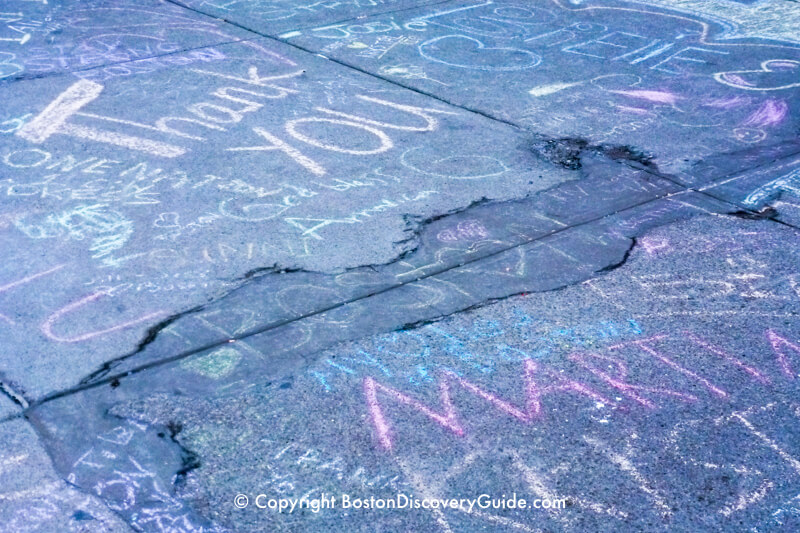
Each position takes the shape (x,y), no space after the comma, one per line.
(742,211)
(9,391)
(563,152)
(253,274)
(319,311)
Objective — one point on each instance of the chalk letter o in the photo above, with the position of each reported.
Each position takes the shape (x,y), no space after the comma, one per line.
(45,158)
(386,142)
(198,109)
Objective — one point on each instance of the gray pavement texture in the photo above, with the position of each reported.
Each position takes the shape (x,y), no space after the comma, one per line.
(345,255)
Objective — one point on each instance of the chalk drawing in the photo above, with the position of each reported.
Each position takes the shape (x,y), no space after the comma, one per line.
(774,75)
(408,71)
(385,142)
(449,419)
(789,182)
(753,372)
(488,59)
(537,483)
(768,19)
(50,322)
(766,440)
(53,120)
(623,461)
(7,65)
(618,381)
(644,345)
(425,113)
(481,166)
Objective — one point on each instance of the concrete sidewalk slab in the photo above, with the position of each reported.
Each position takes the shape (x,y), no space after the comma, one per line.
(41,38)
(674,86)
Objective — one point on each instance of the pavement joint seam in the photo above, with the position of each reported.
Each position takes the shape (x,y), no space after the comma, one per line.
(222,342)
(53,74)
(754,214)
(362,17)
(351,67)
(741,173)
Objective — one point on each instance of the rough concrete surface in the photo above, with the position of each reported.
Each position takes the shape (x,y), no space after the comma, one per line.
(347,255)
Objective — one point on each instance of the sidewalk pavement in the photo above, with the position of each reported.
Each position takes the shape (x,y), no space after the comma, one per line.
(268,251)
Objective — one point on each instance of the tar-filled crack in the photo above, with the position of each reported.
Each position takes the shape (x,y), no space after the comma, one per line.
(15,398)
(189,459)
(409,326)
(767,212)
(263,271)
(420,222)
(622,261)
(13,393)
(414,227)
(149,338)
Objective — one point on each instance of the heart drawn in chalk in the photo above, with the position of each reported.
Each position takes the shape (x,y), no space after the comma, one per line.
(461,51)
(774,75)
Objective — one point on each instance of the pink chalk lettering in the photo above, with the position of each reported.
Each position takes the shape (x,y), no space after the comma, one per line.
(23,281)
(779,344)
(30,278)
(47,325)
(448,417)
(728,357)
(618,381)
(644,345)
